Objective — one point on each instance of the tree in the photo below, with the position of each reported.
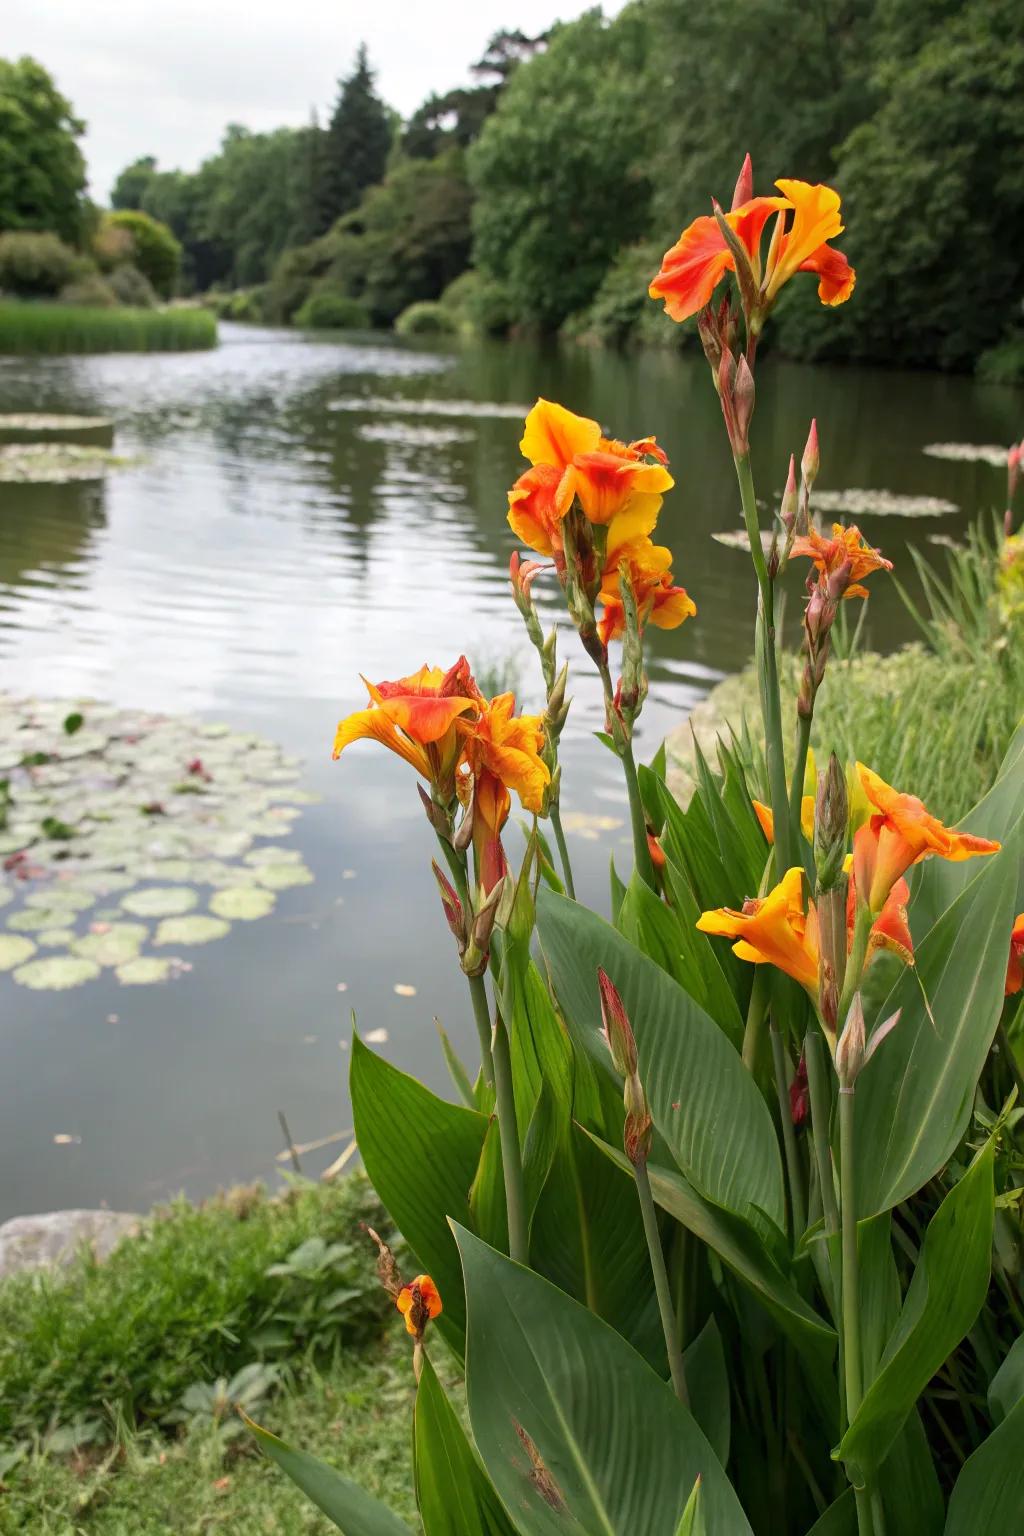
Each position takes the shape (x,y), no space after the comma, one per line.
(42,172)
(357,143)
(560,169)
(131,186)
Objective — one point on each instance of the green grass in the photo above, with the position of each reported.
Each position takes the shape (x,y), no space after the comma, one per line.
(107,1345)
(27,329)
(356,1414)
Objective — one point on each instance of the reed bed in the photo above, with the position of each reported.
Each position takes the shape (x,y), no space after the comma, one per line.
(32,329)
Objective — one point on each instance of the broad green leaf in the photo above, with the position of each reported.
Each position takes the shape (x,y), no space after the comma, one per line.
(988,1496)
(421,1155)
(588,1238)
(670,936)
(453,1493)
(946,1294)
(344,1503)
(577,1433)
(692,1522)
(1006,1388)
(740,1248)
(840,1519)
(487,1193)
(456,1071)
(707,1381)
(703,1101)
(542,1137)
(914,1097)
(618,892)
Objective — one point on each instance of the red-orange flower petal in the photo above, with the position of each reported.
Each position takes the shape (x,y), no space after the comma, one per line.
(418,1302)
(537,503)
(1015,966)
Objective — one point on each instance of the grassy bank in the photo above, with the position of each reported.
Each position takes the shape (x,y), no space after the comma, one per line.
(30,329)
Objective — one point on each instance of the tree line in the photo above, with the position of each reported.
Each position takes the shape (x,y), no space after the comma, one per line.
(540,196)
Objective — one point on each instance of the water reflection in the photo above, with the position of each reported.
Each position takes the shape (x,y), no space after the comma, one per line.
(301,512)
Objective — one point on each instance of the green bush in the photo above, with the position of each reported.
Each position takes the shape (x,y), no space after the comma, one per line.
(91,291)
(326,311)
(247,304)
(202,1292)
(150,246)
(54,328)
(426,318)
(478,303)
(35,266)
(1003,364)
(621,310)
(131,288)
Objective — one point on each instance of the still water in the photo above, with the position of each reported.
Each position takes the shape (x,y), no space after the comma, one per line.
(299,511)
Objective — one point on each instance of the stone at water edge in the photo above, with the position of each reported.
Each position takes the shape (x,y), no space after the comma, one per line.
(51,1240)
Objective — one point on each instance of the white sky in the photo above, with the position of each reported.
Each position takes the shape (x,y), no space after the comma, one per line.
(164,77)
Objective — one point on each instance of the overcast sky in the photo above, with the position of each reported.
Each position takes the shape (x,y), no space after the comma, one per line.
(163,77)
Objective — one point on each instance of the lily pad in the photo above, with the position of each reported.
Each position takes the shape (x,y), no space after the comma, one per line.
(198,929)
(861,503)
(273,854)
(144,971)
(976,453)
(14,950)
(281,877)
(738,538)
(242,903)
(55,938)
(35,919)
(160,901)
(56,973)
(61,897)
(53,464)
(40,427)
(120,943)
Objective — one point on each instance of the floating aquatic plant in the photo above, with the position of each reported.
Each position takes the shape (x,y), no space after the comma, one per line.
(113,818)
(860,503)
(55,463)
(971,453)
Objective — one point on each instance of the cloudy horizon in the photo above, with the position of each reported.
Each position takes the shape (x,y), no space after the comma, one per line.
(168,83)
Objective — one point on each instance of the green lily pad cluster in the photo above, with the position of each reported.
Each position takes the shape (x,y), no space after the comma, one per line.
(54,463)
(126,836)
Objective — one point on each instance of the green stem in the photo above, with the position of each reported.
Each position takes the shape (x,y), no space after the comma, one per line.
(661,1285)
(796,783)
(511,1154)
(797,1203)
(748,501)
(820,1115)
(757,1012)
(563,851)
(482,1019)
(641,848)
(852,1358)
(855,963)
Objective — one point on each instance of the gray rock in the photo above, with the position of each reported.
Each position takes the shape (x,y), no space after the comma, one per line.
(53,1239)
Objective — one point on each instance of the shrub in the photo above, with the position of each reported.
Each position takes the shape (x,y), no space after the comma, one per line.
(325,311)
(91,291)
(152,248)
(621,310)
(35,266)
(202,1292)
(247,304)
(426,318)
(1003,364)
(479,303)
(132,288)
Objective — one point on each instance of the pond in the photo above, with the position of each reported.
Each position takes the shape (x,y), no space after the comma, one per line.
(297,511)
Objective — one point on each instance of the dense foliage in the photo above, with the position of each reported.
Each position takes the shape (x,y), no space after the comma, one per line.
(42,173)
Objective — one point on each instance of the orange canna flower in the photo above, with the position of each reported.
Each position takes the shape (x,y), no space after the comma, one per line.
(1015,966)
(419,1302)
(700,258)
(415,717)
(570,458)
(773,930)
(659,601)
(776,930)
(901,833)
(847,546)
(501,752)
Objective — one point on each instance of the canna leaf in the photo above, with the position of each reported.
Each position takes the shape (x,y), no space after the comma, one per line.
(703,1101)
(421,1155)
(344,1503)
(840,1519)
(692,1522)
(946,1294)
(708,1382)
(988,1496)
(453,1492)
(578,1434)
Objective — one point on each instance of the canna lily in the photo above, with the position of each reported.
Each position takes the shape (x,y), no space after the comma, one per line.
(695,265)
(846,548)
(901,833)
(776,930)
(1015,965)
(501,752)
(570,458)
(659,601)
(767,819)
(416,718)
(419,1302)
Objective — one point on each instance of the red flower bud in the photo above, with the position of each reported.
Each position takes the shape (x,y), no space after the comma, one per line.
(617,1029)
(810,462)
(744,184)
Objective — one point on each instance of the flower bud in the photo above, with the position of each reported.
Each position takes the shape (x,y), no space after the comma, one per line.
(744,184)
(831,824)
(743,403)
(799,1094)
(810,463)
(710,340)
(616,1026)
(556,698)
(787,511)
(436,814)
(636,1133)
(453,912)
(850,1049)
